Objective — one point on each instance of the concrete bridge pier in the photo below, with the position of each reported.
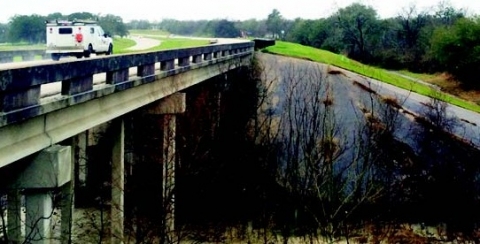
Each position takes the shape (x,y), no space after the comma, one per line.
(118,183)
(14,222)
(38,217)
(50,169)
(79,155)
(166,110)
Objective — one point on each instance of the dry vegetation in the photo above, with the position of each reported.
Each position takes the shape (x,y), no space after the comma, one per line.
(449,85)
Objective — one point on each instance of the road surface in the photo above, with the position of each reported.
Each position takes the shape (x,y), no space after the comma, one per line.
(143,43)
(349,99)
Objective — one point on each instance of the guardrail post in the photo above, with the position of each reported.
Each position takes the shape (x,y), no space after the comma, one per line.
(147,72)
(117,76)
(28,57)
(184,61)
(167,65)
(12,99)
(77,85)
(197,58)
(207,56)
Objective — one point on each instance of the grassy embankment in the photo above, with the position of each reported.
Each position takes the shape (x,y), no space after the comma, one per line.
(322,56)
(120,45)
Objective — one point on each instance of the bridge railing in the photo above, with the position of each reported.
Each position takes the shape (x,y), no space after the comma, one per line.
(20,96)
(25,55)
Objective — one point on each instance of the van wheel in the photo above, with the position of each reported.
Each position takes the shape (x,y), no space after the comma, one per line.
(55,56)
(79,55)
(110,49)
(87,53)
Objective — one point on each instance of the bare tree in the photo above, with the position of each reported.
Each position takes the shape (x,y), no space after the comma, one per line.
(326,172)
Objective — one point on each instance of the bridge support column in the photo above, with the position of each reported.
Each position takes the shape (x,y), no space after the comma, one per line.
(49,170)
(167,108)
(118,183)
(168,181)
(67,208)
(39,213)
(14,225)
(79,158)
(79,151)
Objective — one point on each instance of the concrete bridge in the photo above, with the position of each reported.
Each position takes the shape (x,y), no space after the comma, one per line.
(47,113)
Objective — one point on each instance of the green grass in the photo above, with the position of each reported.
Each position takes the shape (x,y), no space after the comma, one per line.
(166,43)
(121,44)
(149,32)
(322,56)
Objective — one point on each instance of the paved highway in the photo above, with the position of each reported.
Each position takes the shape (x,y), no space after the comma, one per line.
(349,99)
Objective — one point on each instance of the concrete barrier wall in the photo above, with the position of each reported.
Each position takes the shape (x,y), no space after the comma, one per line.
(30,122)
(25,55)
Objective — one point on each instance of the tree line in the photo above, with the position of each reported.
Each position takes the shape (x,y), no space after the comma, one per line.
(440,39)
(444,39)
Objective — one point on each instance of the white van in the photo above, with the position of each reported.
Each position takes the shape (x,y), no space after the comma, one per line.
(78,38)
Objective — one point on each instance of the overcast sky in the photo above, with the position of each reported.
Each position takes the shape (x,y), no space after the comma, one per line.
(213,9)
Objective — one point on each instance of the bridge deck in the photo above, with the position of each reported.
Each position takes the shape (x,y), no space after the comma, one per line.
(33,115)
